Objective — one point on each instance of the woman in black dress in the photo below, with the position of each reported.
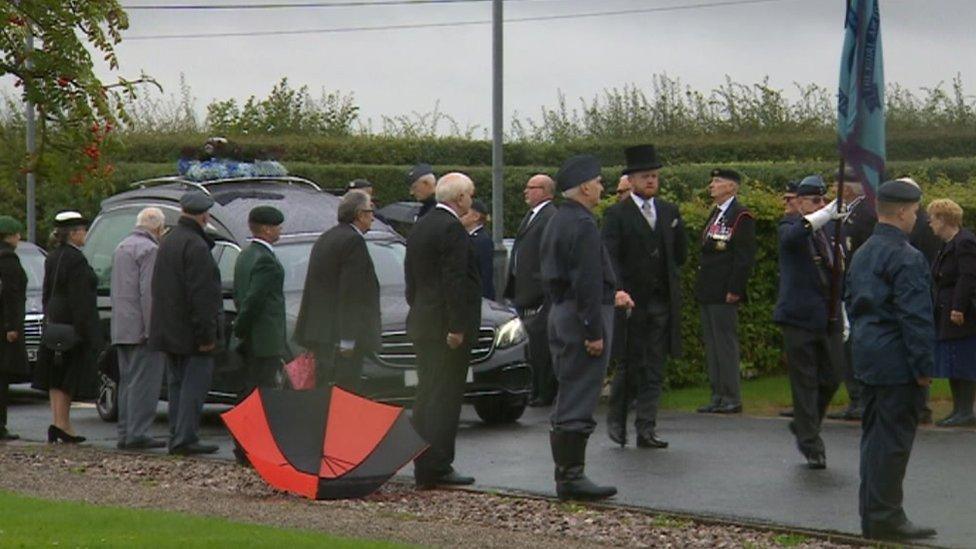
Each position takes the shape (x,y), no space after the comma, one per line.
(954,284)
(13,299)
(69,298)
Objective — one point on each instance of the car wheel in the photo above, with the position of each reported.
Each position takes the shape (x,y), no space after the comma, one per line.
(500,409)
(107,403)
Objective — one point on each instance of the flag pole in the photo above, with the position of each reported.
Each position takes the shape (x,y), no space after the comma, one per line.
(839,259)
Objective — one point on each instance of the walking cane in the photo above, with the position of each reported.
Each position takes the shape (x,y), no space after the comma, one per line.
(624,371)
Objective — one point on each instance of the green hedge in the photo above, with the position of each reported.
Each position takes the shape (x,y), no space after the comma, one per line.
(906,145)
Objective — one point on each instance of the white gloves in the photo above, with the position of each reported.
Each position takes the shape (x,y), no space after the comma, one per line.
(847,322)
(824,215)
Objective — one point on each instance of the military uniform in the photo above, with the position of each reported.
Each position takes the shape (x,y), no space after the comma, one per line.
(889,302)
(579,282)
(814,346)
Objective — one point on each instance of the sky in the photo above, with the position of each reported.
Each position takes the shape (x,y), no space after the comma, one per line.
(395,72)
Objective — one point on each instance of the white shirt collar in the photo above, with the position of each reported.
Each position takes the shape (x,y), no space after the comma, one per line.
(539,206)
(361,233)
(476,229)
(262,242)
(725,205)
(448,208)
(640,200)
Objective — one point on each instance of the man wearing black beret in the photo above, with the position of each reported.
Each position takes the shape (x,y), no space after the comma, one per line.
(728,253)
(260,300)
(889,301)
(579,282)
(645,237)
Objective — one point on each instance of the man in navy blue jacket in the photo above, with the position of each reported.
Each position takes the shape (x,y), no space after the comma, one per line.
(814,345)
(890,305)
(484,249)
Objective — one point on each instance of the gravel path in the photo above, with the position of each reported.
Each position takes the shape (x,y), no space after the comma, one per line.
(448,518)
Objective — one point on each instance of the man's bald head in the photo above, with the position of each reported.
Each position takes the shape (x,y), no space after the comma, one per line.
(538,189)
(623,188)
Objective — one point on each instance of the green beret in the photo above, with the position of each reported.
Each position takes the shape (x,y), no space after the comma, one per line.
(899,191)
(731,175)
(9,225)
(266,215)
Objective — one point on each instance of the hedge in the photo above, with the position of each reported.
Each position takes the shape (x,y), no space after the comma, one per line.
(760,338)
(905,145)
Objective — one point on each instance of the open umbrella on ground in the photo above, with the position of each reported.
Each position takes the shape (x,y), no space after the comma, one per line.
(323,443)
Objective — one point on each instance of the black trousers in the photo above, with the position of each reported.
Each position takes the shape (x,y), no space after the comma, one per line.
(342,371)
(441,372)
(4,399)
(544,385)
(260,371)
(850,382)
(642,366)
(891,414)
(814,362)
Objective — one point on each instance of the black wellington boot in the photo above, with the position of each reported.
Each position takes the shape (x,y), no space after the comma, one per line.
(569,453)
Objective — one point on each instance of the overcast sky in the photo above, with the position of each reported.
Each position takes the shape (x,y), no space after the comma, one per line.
(399,71)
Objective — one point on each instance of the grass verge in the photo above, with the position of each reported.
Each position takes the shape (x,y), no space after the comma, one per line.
(32,522)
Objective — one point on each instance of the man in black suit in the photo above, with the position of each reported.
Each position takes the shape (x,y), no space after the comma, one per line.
(484,248)
(524,286)
(443,289)
(728,253)
(339,318)
(647,244)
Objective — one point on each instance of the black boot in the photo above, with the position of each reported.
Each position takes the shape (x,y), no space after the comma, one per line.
(962,398)
(569,453)
(954,390)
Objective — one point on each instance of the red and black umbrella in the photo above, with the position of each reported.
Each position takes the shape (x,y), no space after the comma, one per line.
(322,443)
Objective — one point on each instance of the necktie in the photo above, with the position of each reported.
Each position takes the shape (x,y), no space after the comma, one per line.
(525,221)
(649,214)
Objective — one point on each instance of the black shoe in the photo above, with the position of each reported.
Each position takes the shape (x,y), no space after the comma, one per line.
(958,421)
(55,434)
(649,439)
(617,431)
(817,461)
(728,409)
(193,449)
(708,409)
(905,530)
(786,413)
(143,443)
(450,479)
(569,453)
(7,435)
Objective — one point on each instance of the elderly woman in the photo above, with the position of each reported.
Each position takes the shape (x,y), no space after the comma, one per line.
(13,298)
(954,277)
(69,299)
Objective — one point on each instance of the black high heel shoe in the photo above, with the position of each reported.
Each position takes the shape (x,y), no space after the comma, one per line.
(54,434)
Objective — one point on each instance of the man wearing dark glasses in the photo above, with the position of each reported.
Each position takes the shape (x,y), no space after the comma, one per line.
(814,345)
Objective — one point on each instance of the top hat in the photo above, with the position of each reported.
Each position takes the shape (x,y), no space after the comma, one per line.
(641,158)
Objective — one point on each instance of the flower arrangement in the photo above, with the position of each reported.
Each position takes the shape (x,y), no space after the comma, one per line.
(220,159)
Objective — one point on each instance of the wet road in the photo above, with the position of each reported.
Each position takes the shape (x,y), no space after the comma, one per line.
(719,466)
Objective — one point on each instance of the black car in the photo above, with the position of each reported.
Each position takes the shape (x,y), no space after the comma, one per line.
(32,260)
(499,379)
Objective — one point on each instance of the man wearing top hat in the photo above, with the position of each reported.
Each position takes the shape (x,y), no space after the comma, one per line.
(186,319)
(422,182)
(259,296)
(814,346)
(484,248)
(579,283)
(646,240)
(728,253)
(889,301)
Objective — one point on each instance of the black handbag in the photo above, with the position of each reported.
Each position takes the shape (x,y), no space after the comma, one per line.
(58,337)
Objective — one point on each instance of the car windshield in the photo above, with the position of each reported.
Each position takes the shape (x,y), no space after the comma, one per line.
(387,258)
(32,260)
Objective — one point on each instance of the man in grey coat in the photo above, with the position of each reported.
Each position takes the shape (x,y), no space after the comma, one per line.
(140,369)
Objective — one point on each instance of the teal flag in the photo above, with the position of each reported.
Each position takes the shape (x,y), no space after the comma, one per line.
(860,99)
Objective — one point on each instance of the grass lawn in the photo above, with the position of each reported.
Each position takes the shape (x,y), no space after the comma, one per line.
(31,522)
(769,395)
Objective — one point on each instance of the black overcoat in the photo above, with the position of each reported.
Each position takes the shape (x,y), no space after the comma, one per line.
(186,292)
(341,300)
(13,299)
(443,283)
(628,239)
(726,269)
(954,284)
(524,285)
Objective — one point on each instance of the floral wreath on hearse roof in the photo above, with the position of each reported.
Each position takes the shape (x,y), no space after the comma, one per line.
(222,159)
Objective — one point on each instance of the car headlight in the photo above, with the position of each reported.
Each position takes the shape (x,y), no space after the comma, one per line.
(510,334)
